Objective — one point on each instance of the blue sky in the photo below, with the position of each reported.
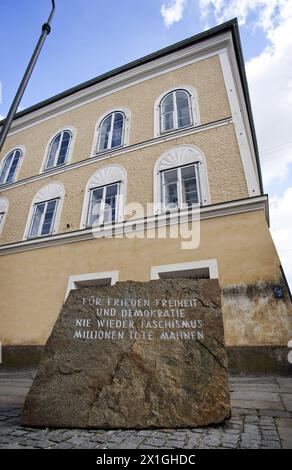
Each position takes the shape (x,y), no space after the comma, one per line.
(90,37)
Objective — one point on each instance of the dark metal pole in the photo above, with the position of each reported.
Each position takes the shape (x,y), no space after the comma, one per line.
(46,29)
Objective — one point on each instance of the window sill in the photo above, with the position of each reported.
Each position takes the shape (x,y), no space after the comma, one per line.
(173,131)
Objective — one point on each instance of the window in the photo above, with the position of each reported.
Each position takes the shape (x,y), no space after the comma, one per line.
(10,165)
(175,111)
(58,150)
(45,211)
(180,187)
(111,131)
(103,205)
(3,211)
(109,278)
(104,197)
(202,269)
(43,218)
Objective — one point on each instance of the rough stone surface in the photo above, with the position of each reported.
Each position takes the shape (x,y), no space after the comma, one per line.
(134,381)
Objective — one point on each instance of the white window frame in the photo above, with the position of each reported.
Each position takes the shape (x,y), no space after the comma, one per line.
(104,188)
(181,204)
(179,156)
(91,279)
(4,205)
(13,150)
(53,190)
(106,176)
(175,115)
(73,132)
(126,131)
(43,219)
(109,146)
(194,109)
(188,268)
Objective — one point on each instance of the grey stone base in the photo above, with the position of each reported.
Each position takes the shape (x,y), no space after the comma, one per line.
(17,357)
(264,360)
(243,360)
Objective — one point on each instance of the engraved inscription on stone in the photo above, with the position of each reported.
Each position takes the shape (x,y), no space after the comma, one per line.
(134,355)
(122,318)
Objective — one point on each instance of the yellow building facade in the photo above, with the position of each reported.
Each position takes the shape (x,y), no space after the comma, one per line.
(145,154)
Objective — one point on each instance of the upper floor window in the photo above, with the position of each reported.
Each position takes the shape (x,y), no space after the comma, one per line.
(104,197)
(3,211)
(180,187)
(111,131)
(10,166)
(59,150)
(45,211)
(43,218)
(103,205)
(175,111)
(180,179)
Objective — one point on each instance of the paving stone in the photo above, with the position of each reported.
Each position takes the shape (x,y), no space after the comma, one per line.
(287,400)
(154,442)
(245,410)
(248,427)
(175,444)
(276,413)
(284,427)
(131,444)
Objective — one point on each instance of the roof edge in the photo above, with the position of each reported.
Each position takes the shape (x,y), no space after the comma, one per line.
(227,26)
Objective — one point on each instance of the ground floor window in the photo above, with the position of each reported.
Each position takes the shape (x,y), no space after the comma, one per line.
(202,269)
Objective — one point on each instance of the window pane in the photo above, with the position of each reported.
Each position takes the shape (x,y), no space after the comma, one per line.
(13,167)
(189,185)
(117,130)
(183,108)
(170,176)
(49,217)
(38,211)
(62,157)
(170,180)
(167,113)
(6,167)
(95,207)
(53,151)
(104,133)
(110,203)
(171,196)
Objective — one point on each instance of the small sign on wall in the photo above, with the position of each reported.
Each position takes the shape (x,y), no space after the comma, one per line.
(278,292)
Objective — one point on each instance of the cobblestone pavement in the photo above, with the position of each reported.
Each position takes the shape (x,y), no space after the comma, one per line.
(261,418)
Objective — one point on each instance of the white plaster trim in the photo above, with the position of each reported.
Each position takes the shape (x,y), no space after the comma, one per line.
(236,106)
(103,177)
(211,264)
(189,55)
(52,190)
(120,151)
(259,203)
(17,147)
(126,130)
(84,279)
(4,206)
(70,152)
(195,114)
(176,157)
